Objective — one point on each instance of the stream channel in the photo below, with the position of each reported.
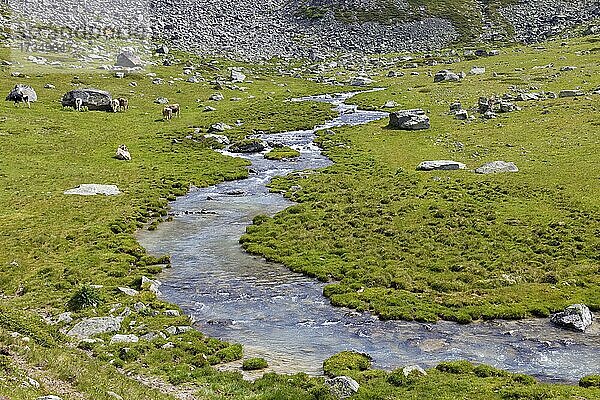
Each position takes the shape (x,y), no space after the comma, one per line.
(283,316)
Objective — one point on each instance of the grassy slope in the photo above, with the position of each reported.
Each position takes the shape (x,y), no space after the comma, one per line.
(456,245)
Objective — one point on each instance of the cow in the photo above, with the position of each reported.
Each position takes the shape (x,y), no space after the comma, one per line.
(167,113)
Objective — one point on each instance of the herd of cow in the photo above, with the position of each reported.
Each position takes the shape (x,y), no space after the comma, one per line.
(22,94)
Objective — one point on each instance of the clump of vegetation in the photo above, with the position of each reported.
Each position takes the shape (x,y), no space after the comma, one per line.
(590,381)
(251,364)
(280,153)
(346,362)
(85,296)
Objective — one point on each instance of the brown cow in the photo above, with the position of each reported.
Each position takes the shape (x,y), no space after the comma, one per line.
(123,104)
(176,109)
(167,113)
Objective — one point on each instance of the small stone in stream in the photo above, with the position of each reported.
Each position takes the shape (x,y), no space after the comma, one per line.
(235,193)
(576,317)
(409,120)
(495,167)
(342,386)
(440,165)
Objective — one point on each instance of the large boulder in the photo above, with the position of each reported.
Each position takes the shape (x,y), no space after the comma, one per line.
(93,99)
(342,386)
(446,76)
(20,92)
(495,167)
(247,146)
(410,120)
(128,59)
(576,317)
(95,326)
(437,165)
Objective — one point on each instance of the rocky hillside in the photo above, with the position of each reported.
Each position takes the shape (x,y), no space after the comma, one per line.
(292,28)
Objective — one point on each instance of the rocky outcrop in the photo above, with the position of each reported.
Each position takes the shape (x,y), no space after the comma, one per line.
(93,99)
(410,120)
(576,317)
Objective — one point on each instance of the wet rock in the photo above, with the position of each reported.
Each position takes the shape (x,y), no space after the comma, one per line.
(436,165)
(123,153)
(570,93)
(118,338)
(21,92)
(92,99)
(128,59)
(411,120)
(247,146)
(495,167)
(342,386)
(91,189)
(576,317)
(94,326)
(446,76)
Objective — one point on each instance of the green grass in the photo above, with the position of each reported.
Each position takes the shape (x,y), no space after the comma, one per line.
(454,245)
(281,153)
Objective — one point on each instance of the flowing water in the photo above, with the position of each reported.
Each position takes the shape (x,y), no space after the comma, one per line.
(283,316)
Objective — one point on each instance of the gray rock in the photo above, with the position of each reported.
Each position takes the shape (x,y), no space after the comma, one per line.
(161,100)
(123,153)
(151,285)
(528,97)
(177,330)
(570,93)
(446,76)
(413,369)
(506,107)
(409,120)
(436,165)
(576,317)
(90,189)
(568,68)
(253,146)
(477,71)
(209,109)
(94,326)
(360,81)
(193,79)
(495,167)
(118,338)
(92,99)
(64,318)
(172,313)
(120,75)
(162,49)
(114,395)
(219,138)
(342,386)
(128,59)
(128,291)
(236,76)
(21,92)
(456,106)
(390,104)
(218,127)
(49,397)
(216,97)
(461,115)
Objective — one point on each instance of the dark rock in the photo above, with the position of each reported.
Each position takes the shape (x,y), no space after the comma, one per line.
(570,93)
(93,99)
(129,60)
(247,146)
(342,386)
(411,120)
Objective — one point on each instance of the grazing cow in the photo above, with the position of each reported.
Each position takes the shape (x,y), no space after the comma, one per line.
(123,104)
(114,104)
(19,97)
(176,109)
(167,113)
(78,103)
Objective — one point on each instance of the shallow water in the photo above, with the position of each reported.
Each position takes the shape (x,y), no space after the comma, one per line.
(283,316)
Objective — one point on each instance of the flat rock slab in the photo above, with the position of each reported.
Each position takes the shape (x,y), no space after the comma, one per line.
(495,167)
(91,189)
(437,165)
(94,326)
